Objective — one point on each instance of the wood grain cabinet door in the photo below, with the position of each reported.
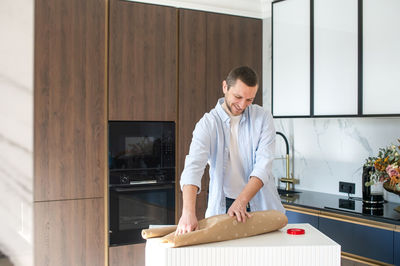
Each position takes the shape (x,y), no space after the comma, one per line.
(210,45)
(192,90)
(142,62)
(231,41)
(69,99)
(69,232)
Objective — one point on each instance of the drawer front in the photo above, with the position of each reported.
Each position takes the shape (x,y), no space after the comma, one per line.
(296,217)
(361,240)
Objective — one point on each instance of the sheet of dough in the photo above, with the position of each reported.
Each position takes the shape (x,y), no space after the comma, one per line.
(220,228)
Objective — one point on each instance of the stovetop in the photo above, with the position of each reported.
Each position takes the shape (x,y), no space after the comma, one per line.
(344,205)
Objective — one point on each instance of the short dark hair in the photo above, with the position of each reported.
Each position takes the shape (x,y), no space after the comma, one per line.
(247,75)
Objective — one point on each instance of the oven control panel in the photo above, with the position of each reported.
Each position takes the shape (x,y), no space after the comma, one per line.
(141,177)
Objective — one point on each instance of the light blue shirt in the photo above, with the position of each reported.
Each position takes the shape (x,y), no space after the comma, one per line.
(256,145)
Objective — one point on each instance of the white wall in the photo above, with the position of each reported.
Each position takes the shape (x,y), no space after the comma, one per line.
(16,130)
(325,151)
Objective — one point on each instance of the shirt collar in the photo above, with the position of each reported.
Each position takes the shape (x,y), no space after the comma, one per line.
(223,115)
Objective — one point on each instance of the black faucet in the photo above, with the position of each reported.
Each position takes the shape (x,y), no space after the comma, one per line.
(286,141)
(286,179)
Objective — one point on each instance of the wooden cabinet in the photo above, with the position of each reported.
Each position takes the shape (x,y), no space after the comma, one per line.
(142,62)
(192,88)
(69,132)
(210,45)
(69,232)
(69,99)
(359,239)
(129,255)
(231,41)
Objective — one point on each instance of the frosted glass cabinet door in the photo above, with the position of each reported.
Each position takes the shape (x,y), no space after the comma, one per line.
(291,58)
(335,57)
(381,57)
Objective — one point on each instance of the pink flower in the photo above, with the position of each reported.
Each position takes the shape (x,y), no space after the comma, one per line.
(393,171)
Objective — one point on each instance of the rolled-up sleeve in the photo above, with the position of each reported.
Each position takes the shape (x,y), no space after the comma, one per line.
(265,151)
(198,156)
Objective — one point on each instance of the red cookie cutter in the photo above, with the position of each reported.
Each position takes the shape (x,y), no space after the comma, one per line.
(296,231)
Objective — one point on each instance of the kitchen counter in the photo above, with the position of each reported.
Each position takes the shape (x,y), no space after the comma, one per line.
(336,204)
(274,248)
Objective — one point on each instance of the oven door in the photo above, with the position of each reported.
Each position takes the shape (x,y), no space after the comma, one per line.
(136,207)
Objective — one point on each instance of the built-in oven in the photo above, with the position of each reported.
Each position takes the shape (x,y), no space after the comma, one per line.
(141,178)
(135,208)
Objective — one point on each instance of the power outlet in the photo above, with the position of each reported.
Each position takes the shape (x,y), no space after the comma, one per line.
(347,187)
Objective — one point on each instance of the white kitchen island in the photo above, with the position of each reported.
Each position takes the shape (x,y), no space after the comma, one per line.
(275,248)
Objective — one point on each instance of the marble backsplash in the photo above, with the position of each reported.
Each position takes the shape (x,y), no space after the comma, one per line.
(324,151)
(16,130)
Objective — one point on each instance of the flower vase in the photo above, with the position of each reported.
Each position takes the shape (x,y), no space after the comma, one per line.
(372,195)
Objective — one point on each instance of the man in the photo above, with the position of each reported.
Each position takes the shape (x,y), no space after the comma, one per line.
(237,139)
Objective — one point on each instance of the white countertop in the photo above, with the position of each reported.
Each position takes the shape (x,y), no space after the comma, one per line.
(275,248)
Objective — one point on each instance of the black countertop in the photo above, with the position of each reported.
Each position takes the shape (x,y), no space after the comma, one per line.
(342,205)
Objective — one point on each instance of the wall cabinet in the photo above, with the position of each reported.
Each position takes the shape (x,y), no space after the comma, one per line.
(210,45)
(335,57)
(291,58)
(381,57)
(142,62)
(324,66)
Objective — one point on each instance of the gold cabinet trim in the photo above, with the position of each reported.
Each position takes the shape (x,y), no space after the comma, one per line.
(301,210)
(343,218)
(363,260)
(107,18)
(355,220)
(397,228)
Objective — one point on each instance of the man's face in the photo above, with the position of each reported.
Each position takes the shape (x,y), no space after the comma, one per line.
(239,96)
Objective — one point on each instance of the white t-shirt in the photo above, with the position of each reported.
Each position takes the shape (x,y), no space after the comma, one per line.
(234,179)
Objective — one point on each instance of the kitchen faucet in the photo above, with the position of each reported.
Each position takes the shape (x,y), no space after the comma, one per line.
(288,180)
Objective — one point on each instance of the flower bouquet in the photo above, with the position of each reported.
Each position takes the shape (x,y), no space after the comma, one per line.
(386,168)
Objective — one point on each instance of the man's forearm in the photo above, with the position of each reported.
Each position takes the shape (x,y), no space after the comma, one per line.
(189,193)
(252,187)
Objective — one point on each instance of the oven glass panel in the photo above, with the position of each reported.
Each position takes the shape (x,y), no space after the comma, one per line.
(135,208)
(141,209)
(141,145)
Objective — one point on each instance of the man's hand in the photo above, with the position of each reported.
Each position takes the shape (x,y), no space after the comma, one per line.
(187,223)
(238,209)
